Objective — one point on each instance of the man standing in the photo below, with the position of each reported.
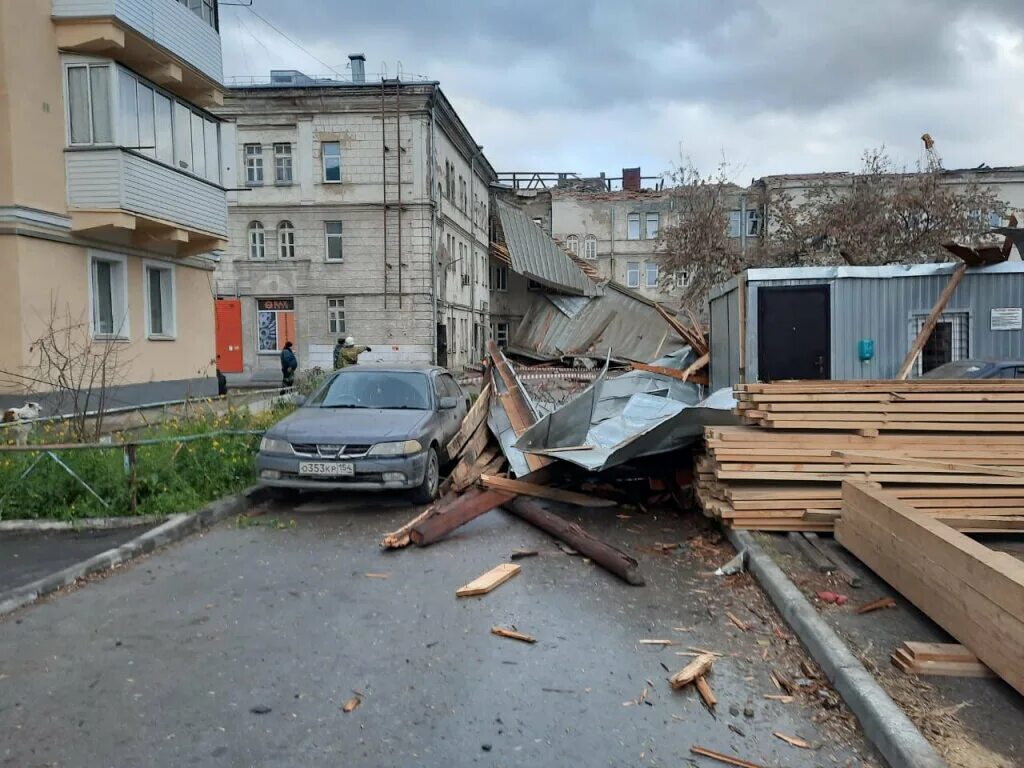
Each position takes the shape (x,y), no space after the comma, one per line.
(339,361)
(349,353)
(289,364)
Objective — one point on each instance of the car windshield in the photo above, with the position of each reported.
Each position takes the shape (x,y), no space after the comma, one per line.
(959,369)
(375,389)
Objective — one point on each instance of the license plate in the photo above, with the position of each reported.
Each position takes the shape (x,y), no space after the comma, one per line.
(327,469)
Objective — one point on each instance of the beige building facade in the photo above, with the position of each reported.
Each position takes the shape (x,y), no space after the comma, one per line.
(111,194)
(363,212)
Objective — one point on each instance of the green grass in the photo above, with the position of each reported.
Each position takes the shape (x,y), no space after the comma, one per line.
(170,477)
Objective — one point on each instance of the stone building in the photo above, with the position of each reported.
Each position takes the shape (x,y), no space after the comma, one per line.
(361,210)
(111,194)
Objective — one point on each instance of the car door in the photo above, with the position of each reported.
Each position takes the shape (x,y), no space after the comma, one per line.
(454,390)
(444,417)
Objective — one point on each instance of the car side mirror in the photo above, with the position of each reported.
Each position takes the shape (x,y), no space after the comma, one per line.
(448,403)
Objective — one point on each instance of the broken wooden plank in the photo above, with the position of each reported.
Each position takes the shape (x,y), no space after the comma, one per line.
(930,321)
(953,663)
(450,515)
(938,651)
(724,758)
(515,402)
(494,578)
(699,667)
(738,622)
(875,605)
(466,473)
(793,741)
(695,366)
(512,634)
(705,692)
(608,557)
(400,538)
(544,492)
(476,416)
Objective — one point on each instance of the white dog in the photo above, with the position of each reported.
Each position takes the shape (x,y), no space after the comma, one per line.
(22,419)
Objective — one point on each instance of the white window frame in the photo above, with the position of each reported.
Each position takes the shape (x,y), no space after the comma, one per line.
(632,218)
(590,247)
(648,218)
(499,278)
(632,274)
(336,315)
(254,171)
(501,334)
(753,222)
(735,223)
(282,151)
(340,235)
(256,236)
(120,305)
(684,278)
(71,62)
(168,302)
(285,239)
(572,244)
(647,274)
(323,162)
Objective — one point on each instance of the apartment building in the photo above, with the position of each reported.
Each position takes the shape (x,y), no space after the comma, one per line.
(111,194)
(362,211)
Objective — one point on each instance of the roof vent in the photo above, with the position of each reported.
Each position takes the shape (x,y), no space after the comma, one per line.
(357,62)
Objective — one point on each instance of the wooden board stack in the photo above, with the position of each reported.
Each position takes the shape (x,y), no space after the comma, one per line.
(774,477)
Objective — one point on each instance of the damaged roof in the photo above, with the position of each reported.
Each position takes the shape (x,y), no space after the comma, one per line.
(538,257)
(619,322)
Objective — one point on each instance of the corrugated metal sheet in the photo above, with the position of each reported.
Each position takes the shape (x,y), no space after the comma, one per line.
(537,256)
(878,303)
(616,324)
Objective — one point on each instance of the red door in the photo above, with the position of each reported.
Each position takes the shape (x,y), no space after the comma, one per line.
(229,335)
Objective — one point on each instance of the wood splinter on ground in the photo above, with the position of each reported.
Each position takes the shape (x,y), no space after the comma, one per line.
(742,625)
(793,741)
(512,634)
(724,758)
(495,577)
(351,704)
(875,605)
(706,693)
(696,668)
(656,642)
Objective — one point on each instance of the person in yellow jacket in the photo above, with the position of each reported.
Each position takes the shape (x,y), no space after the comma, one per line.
(346,353)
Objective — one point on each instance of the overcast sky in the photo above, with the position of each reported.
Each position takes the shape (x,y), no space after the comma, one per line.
(774,86)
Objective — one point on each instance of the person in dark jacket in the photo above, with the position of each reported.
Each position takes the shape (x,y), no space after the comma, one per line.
(289,364)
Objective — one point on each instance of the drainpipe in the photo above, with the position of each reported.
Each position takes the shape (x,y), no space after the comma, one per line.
(433,230)
(472,237)
(743,224)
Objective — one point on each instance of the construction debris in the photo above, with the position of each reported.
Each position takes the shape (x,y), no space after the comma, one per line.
(512,634)
(946,659)
(724,758)
(494,578)
(793,741)
(351,704)
(699,667)
(875,605)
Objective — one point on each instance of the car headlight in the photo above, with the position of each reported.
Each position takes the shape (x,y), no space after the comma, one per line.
(403,448)
(270,445)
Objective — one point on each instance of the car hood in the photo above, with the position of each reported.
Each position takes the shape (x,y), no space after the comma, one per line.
(348,425)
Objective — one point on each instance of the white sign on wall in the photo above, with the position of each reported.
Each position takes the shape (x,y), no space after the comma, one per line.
(1007,318)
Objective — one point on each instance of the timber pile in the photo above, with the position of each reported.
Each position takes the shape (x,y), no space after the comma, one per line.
(772,476)
(869,407)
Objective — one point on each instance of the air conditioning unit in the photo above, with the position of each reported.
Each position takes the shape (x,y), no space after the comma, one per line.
(465,279)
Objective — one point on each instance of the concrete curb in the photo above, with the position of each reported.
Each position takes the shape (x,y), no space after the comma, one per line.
(175,529)
(81,524)
(885,724)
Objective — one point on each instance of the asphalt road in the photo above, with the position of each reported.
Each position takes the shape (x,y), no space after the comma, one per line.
(240,647)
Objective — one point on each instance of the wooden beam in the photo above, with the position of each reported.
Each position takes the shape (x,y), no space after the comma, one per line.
(974,593)
(515,402)
(951,466)
(696,365)
(449,515)
(494,578)
(474,418)
(523,488)
(929,323)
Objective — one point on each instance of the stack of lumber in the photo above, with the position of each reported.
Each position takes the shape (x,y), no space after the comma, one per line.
(946,659)
(974,593)
(767,479)
(869,407)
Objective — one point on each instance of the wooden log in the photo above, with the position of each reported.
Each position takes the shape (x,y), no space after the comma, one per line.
(400,538)
(608,557)
(930,321)
(459,511)
(699,667)
(544,492)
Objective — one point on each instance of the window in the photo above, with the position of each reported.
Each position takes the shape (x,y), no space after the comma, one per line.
(253,164)
(653,223)
(286,239)
(590,247)
(451,387)
(109,289)
(204,9)
(164,116)
(633,226)
(539,222)
(275,323)
(160,300)
(652,275)
(632,274)
(499,279)
(257,241)
(501,334)
(147,121)
(684,278)
(183,137)
(572,243)
(735,223)
(950,340)
(330,152)
(282,163)
(199,146)
(211,130)
(462,194)
(89,107)
(753,222)
(995,219)
(336,315)
(333,230)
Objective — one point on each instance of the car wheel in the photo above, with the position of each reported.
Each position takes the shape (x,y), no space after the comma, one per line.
(427,490)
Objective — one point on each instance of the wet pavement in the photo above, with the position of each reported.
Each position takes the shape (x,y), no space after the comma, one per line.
(25,557)
(972,722)
(240,647)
